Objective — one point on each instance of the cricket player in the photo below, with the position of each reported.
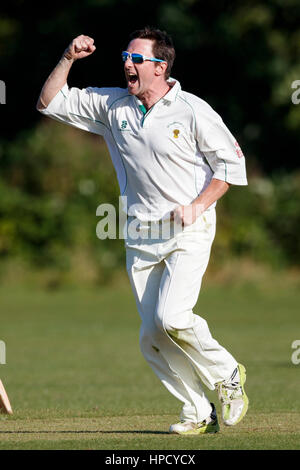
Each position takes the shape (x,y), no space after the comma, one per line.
(174,158)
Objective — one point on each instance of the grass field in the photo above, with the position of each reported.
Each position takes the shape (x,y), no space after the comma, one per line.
(77,380)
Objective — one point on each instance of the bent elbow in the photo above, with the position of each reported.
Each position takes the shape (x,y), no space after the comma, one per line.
(40,105)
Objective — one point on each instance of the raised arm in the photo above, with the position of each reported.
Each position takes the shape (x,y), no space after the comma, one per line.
(80,47)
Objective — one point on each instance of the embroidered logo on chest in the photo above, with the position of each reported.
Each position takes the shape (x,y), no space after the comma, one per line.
(176,130)
(123,125)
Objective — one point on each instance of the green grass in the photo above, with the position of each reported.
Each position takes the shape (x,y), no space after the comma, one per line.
(77,380)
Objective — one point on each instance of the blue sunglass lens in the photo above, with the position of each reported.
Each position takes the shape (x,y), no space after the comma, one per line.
(136,58)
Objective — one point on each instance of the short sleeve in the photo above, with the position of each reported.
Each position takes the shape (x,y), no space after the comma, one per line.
(85,108)
(223,153)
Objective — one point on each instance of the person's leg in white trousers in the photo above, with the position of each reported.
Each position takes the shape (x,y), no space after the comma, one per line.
(166,277)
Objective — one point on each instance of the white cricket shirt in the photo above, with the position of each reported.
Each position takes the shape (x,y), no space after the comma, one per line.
(164,157)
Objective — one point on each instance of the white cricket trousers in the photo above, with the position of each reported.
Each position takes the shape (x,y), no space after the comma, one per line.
(165,275)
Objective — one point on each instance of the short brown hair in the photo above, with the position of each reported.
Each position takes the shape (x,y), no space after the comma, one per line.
(163,47)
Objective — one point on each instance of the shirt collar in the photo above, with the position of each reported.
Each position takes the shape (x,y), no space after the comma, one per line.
(172,94)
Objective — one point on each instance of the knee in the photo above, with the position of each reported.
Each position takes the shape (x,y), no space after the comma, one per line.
(172,321)
(164,321)
(150,343)
(149,335)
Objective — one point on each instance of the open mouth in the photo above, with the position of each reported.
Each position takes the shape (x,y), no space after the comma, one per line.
(132,78)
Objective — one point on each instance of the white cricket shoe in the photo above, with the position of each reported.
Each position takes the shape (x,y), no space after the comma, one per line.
(209,425)
(232,396)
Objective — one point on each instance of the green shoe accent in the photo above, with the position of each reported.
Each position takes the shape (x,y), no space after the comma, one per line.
(188,428)
(242,372)
(233,397)
(210,428)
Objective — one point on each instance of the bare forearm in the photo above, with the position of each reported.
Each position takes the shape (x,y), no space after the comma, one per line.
(214,191)
(187,215)
(56,80)
(79,48)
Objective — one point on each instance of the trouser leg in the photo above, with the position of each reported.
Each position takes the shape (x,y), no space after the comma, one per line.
(213,363)
(166,279)
(178,294)
(173,368)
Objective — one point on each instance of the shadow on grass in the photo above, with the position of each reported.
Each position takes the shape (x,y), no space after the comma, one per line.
(85,432)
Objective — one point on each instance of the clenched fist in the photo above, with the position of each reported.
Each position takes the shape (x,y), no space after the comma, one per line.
(80,47)
(187,215)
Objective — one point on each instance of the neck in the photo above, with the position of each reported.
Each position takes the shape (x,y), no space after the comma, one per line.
(152,96)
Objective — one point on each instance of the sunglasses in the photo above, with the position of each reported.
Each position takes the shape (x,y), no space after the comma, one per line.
(138,58)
